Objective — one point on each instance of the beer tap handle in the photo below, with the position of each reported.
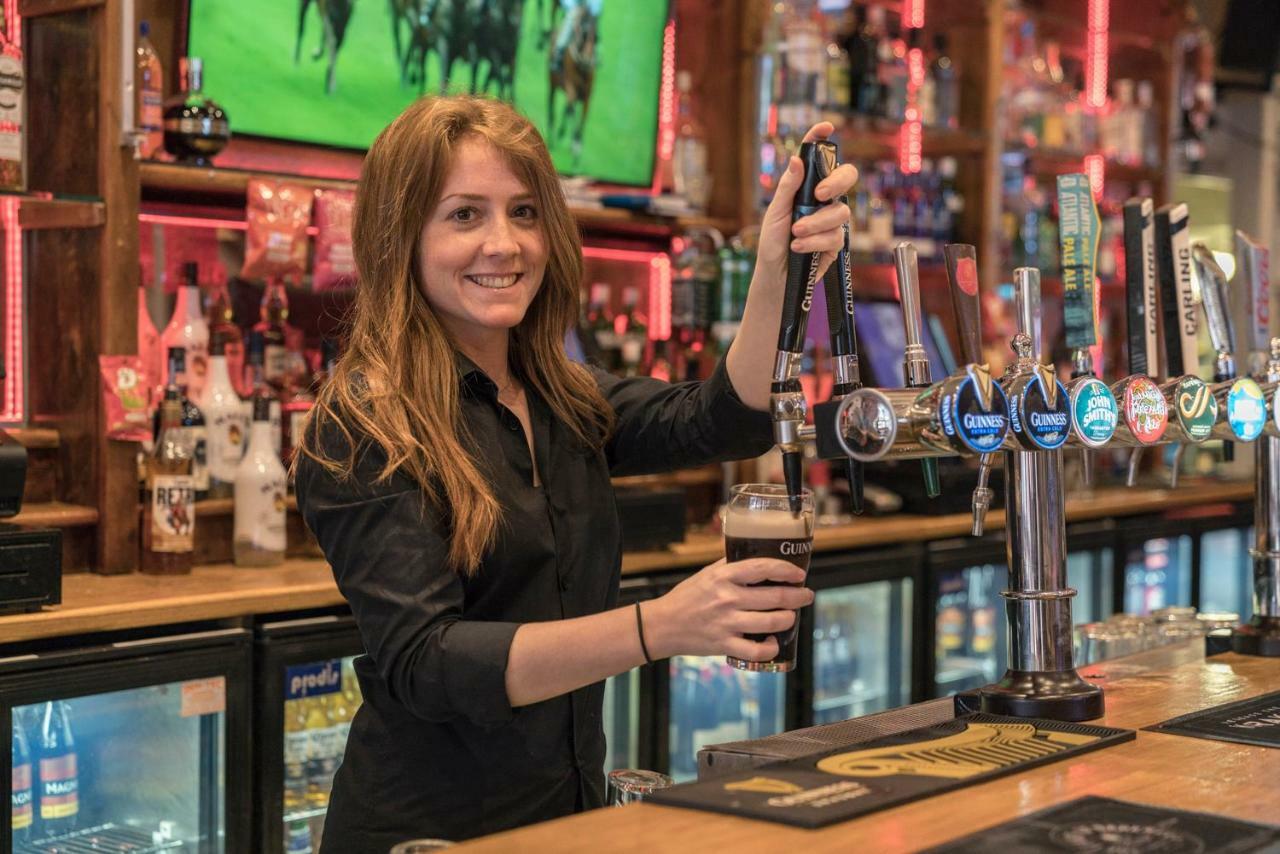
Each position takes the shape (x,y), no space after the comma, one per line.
(1177,297)
(1140,286)
(787,403)
(915,362)
(1253,266)
(838,283)
(1217,313)
(1078,232)
(962,273)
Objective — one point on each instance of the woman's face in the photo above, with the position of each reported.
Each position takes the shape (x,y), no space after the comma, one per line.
(482,253)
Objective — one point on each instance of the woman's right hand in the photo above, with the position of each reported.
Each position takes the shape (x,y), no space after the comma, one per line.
(709,612)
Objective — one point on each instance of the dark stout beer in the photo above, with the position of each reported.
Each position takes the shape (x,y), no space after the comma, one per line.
(752,533)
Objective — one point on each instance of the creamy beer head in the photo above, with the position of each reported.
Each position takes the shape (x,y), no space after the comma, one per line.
(765,524)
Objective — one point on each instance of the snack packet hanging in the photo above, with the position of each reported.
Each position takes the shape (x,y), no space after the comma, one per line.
(126,397)
(278,214)
(335,264)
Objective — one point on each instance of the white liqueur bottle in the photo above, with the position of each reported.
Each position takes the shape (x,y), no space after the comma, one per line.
(188,329)
(226,423)
(260,495)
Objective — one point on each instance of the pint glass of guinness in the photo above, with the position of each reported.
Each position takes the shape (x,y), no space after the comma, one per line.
(759,523)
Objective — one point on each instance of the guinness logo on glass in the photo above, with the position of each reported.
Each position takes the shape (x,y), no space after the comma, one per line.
(1196,408)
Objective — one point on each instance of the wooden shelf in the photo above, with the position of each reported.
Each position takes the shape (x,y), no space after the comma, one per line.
(1049,162)
(873,138)
(35,437)
(195,184)
(55,514)
(38,213)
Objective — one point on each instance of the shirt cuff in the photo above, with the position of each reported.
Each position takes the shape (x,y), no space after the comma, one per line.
(475,677)
(740,428)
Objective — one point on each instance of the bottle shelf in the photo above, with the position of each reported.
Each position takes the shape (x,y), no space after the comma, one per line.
(35,437)
(304,814)
(55,514)
(198,185)
(864,137)
(1051,162)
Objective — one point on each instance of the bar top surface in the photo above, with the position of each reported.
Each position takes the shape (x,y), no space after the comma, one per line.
(1173,771)
(95,603)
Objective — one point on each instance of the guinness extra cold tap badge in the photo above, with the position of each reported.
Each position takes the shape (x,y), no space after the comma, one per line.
(1041,411)
(975,412)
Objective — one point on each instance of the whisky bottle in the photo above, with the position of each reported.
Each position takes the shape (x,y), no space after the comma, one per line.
(192,422)
(274,312)
(195,128)
(221,320)
(260,495)
(168,525)
(225,424)
(148,83)
(254,358)
(187,329)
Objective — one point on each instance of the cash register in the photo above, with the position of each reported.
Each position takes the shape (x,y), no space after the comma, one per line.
(30,558)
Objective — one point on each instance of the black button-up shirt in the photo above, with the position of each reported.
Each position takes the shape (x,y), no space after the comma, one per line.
(436,750)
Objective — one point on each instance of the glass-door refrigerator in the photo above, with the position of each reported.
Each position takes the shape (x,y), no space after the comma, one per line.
(305,695)
(139,745)
(1224,569)
(1159,557)
(964,645)
(1091,557)
(628,700)
(855,648)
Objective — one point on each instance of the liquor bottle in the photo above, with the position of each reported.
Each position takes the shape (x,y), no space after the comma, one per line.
(321,761)
(59,776)
(21,793)
(12,113)
(225,424)
(273,313)
(148,82)
(599,324)
(893,74)
(195,128)
(260,487)
(193,422)
(168,525)
(839,87)
(187,329)
(221,320)
(295,755)
(689,158)
(294,413)
(632,331)
(946,85)
(864,59)
(258,385)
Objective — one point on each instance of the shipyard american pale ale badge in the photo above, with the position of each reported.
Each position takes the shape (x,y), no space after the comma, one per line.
(884,772)
(1195,407)
(1144,409)
(1095,411)
(1246,409)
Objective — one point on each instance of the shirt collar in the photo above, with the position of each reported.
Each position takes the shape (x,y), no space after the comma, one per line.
(471,379)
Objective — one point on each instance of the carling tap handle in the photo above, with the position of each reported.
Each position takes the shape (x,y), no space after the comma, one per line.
(1177,296)
(962,272)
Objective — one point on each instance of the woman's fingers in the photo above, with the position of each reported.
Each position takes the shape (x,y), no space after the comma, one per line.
(763,622)
(749,650)
(757,569)
(838,183)
(774,596)
(831,218)
(821,130)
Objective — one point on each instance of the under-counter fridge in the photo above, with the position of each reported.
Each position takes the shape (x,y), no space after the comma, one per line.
(139,745)
(305,695)
(1158,563)
(855,647)
(1224,565)
(964,645)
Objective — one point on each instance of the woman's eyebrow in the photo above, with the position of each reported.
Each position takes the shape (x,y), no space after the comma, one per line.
(478,197)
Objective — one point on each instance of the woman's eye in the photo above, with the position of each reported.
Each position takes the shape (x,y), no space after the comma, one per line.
(463,215)
(526,212)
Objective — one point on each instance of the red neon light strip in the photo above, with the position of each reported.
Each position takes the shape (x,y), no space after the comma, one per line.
(659,297)
(666,105)
(1096,168)
(14,410)
(913,14)
(1096,50)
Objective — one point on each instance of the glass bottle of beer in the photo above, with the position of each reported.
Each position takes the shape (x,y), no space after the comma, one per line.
(59,775)
(295,754)
(168,525)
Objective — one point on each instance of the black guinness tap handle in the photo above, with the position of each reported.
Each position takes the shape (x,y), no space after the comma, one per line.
(819,160)
(838,284)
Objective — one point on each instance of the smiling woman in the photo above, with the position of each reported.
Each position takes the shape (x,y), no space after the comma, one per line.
(456,472)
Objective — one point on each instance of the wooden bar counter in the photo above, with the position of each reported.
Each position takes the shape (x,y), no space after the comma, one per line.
(96,603)
(1174,771)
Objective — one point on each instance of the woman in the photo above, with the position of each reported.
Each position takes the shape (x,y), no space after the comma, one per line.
(456,474)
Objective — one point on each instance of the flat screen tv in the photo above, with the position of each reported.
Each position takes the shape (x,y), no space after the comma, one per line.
(336,72)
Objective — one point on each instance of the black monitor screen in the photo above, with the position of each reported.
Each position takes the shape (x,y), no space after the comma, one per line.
(881,342)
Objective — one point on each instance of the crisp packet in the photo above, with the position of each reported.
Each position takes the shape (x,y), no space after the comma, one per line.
(335,263)
(276,241)
(126,397)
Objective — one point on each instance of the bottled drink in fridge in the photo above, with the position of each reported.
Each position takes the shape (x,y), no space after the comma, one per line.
(295,755)
(59,775)
(189,330)
(21,793)
(322,759)
(148,82)
(225,425)
(260,495)
(168,524)
(297,838)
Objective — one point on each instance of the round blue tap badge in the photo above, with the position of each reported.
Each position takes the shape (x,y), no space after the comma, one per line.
(1275,408)
(1246,409)
(980,425)
(1044,417)
(1095,412)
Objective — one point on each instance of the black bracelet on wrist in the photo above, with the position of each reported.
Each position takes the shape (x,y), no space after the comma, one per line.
(640,631)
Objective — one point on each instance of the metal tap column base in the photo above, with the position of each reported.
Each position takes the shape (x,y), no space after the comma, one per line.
(1260,636)
(1041,681)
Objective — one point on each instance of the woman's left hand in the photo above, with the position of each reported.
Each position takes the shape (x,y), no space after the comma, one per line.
(822,231)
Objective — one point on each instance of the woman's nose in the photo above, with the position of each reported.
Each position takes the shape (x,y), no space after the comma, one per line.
(500,239)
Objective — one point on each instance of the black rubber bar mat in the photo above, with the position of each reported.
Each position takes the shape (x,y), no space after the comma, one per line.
(1254,721)
(1106,826)
(895,769)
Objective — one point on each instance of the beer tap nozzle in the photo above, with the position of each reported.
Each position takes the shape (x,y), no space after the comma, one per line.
(915,361)
(786,400)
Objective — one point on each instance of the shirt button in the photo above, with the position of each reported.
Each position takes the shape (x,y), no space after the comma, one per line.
(565,584)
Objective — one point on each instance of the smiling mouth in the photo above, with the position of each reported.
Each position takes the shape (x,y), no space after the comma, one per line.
(495,283)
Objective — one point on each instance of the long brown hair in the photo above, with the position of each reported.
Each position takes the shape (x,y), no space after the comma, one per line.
(397,381)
